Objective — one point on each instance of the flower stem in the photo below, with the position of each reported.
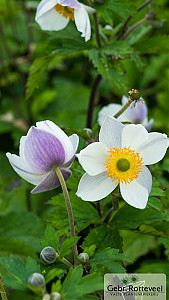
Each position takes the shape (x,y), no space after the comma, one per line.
(96,24)
(123,108)
(66,262)
(134,27)
(92,100)
(69,209)
(2,290)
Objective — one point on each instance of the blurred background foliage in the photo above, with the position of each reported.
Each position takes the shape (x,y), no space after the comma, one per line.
(49,75)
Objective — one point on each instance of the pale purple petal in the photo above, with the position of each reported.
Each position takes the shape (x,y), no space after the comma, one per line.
(136,112)
(43,150)
(75,142)
(50,182)
(149,125)
(52,128)
(71,3)
(111,132)
(24,170)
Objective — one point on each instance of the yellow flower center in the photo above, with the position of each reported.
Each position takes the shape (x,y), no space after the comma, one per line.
(65,11)
(123,164)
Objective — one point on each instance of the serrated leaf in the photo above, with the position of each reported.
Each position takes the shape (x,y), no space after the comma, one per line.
(108,68)
(130,217)
(37,70)
(66,247)
(102,237)
(17,272)
(90,250)
(51,238)
(76,287)
(84,213)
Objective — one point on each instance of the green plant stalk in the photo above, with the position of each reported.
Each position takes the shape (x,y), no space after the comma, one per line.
(2,290)
(66,262)
(123,108)
(69,209)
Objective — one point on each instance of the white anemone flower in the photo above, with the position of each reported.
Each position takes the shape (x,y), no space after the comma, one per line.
(136,113)
(55,15)
(120,157)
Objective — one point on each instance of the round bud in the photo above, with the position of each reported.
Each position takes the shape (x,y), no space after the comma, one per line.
(55,296)
(83,257)
(134,94)
(36,280)
(48,255)
(46,297)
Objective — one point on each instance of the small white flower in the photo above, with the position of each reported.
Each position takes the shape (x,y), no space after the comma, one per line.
(136,113)
(120,157)
(55,15)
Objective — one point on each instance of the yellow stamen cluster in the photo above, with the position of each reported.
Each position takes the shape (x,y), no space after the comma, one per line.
(65,11)
(123,164)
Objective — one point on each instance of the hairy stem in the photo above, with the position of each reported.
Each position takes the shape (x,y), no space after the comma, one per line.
(69,209)
(2,290)
(96,24)
(123,108)
(66,262)
(134,27)
(122,30)
(92,100)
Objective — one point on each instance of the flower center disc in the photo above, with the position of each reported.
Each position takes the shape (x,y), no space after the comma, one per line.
(123,164)
(65,11)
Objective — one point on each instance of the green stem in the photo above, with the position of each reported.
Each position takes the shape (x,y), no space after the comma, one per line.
(69,209)
(66,262)
(123,108)
(2,290)
(96,24)
(134,27)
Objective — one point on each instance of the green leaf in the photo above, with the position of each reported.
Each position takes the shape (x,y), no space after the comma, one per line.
(136,244)
(17,272)
(66,247)
(37,70)
(90,250)
(110,69)
(130,217)
(106,258)
(84,213)
(102,237)
(156,44)
(51,238)
(75,287)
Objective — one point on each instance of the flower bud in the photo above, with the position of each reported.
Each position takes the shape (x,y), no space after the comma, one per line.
(36,280)
(55,296)
(46,297)
(83,257)
(48,255)
(134,94)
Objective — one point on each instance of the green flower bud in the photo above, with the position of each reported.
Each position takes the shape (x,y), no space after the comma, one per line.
(48,255)
(134,94)
(55,296)
(46,297)
(36,280)
(83,257)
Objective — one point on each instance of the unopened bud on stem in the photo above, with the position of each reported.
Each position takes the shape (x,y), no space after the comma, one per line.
(134,94)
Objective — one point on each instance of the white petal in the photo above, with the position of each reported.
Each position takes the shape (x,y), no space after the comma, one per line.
(44,6)
(83,23)
(134,194)
(51,127)
(93,158)
(111,110)
(154,149)
(22,147)
(93,188)
(52,20)
(70,3)
(89,9)
(24,170)
(111,132)
(75,142)
(145,179)
(134,135)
